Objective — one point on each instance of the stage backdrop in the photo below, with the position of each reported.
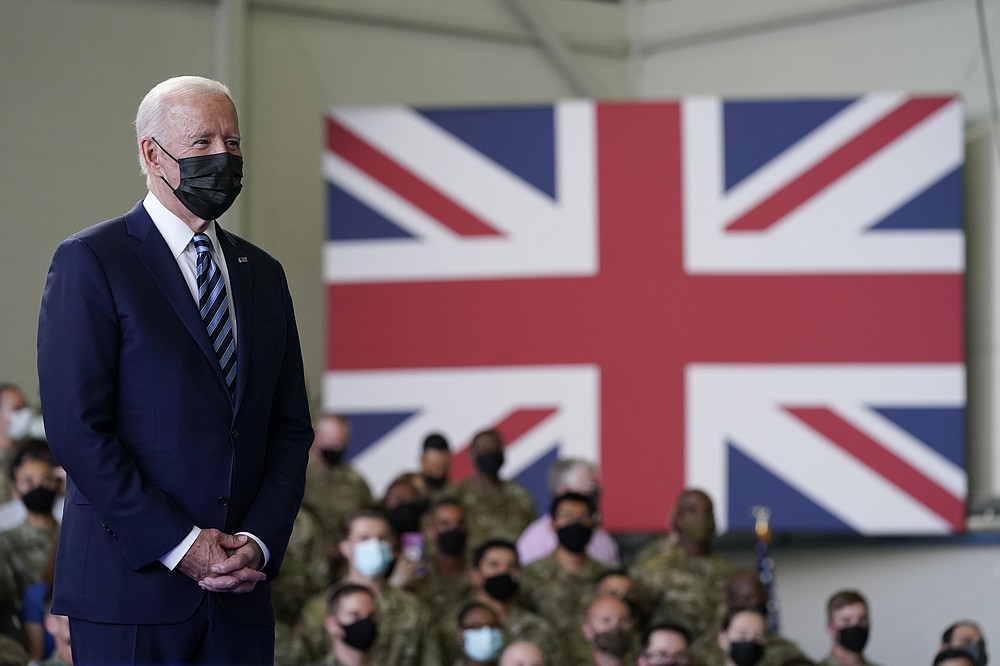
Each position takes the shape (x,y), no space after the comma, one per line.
(761,299)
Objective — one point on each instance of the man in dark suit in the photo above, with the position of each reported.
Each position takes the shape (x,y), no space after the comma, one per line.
(173,392)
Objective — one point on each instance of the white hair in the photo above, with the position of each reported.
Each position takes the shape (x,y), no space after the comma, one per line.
(150,118)
(562,469)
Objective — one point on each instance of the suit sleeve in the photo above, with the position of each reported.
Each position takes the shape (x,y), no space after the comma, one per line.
(272,513)
(79,338)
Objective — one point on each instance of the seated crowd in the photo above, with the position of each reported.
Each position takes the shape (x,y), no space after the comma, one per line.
(436,573)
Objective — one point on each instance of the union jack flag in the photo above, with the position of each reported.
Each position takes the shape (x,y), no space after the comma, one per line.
(762,299)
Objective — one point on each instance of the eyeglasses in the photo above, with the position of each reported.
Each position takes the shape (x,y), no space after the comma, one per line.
(660,657)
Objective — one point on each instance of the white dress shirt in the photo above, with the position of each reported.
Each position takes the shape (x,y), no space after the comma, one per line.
(178,236)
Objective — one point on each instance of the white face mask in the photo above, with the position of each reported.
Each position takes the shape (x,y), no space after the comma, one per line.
(20,425)
(483,644)
(372,557)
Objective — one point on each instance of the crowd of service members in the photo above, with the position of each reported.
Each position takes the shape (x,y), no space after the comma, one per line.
(436,573)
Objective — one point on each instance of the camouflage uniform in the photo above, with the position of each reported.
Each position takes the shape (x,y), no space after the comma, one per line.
(494,511)
(304,572)
(10,604)
(406,633)
(332,492)
(561,598)
(777,651)
(27,551)
(442,594)
(830,661)
(672,585)
(12,652)
(331,660)
(523,625)
(6,485)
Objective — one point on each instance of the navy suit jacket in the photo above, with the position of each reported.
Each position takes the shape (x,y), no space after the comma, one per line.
(137,411)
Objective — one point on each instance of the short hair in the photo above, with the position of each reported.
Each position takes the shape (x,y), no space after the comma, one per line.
(733,612)
(412,480)
(946,636)
(470,606)
(339,418)
(443,502)
(560,470)
(608,573)
(491,432)
(684,632)
(572,497)
(151,116)
(480,552)
(32,449)
(435,441)
(341,591)
(952,653)
(363,512)
(10,386)
(841,599)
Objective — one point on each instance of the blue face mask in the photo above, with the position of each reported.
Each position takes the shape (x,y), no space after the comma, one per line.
(372,557)
(483,644)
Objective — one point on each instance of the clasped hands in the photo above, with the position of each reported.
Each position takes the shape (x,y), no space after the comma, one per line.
(223,562)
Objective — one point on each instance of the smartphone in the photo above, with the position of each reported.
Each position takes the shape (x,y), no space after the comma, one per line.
(412,545)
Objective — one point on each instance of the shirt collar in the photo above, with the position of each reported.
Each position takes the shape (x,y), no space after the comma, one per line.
(175,232)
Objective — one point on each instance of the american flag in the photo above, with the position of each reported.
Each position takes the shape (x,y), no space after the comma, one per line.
(763,299)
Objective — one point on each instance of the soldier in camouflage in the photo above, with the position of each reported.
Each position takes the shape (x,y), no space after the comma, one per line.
(559,585)
(435,464)
(848,623)
(407,634)
(744,589)
(479,635)
(609,630)
(444,584)
(333,488)
(495,508)
(27,547)
(352,625)
(495,577)
(742,636)
(681,578)
(304,571)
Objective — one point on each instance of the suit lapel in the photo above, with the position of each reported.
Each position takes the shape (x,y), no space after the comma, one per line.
(241,283)
(155,255)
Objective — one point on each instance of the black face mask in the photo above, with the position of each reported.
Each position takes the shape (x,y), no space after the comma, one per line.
(435,482)
(406,517)
(616,642)
(853,638)
(501,587)
(39,500)
(333,457)
(489,463)
(452,542)
(209,183)
(361,635)
(575,537)
(978,652)
(745,653)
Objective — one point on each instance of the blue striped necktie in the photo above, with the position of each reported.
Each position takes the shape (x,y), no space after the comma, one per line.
(214,305)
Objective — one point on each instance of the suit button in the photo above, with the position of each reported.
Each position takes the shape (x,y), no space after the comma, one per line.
(223,500)
(235,433)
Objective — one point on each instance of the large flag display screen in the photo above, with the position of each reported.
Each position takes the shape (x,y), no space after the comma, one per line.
(761,299)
